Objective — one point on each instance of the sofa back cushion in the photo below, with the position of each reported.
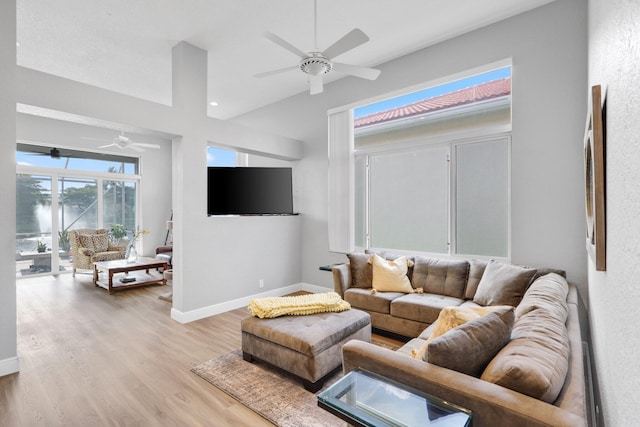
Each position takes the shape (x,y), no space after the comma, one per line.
(440,276)
(361,270)
(536,360)
(476,270)
(503,284)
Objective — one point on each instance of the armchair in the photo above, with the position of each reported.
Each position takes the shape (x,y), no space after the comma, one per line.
(90,245)
(165,253)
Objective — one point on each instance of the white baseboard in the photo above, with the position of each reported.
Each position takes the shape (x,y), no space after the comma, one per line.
(201,313)
(9,366)
(314,288)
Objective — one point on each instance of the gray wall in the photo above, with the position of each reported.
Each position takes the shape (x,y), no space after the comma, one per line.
(614,61)
(548,47)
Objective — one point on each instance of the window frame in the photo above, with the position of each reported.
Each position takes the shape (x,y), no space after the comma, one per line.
(341,158)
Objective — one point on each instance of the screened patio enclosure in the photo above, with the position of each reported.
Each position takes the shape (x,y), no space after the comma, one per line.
(52,199)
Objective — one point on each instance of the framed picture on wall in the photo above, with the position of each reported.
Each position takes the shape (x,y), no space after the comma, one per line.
(595,185)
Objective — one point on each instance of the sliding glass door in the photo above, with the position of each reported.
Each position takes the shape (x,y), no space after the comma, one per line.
(33,224)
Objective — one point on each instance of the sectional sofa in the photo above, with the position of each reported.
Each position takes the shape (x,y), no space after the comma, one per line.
(512,348)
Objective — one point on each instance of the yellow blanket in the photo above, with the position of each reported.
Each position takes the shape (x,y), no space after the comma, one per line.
(297,305)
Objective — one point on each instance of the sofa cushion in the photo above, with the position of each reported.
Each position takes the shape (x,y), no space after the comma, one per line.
(449,318)
(440,276)
(469,347)
(423,308)
(476,270)
(391,256)
(360,270)
(390,276)
(503,284)
(365,300)
(536,360)
(86,241)
(100,242)
(547,293)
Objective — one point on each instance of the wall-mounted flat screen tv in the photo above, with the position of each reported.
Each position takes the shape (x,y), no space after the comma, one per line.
(249,191)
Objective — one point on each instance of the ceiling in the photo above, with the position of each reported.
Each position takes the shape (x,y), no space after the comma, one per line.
(125,45)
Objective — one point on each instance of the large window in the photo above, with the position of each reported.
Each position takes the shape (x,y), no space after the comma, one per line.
(431,169)
(65,191)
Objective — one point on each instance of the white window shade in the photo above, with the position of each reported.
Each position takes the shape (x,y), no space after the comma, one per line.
(482,198)
(341,182)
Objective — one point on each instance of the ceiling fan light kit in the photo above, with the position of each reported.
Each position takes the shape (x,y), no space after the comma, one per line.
(317,63)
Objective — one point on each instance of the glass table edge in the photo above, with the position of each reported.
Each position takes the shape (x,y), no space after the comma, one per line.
(328,399)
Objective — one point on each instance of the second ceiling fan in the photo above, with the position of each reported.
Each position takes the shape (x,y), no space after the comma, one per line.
(317,63)
(123,143)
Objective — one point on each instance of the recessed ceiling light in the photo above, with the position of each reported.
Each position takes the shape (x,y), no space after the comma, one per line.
(213,103)
(17,44)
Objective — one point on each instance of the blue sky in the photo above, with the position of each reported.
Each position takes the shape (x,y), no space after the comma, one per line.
(74,163)
(215,157)
(410,98)
(220,157)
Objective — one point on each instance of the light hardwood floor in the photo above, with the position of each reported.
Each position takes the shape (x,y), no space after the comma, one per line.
(88,358)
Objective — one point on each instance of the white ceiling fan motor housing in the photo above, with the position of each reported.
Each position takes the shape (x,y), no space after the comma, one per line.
(315,64)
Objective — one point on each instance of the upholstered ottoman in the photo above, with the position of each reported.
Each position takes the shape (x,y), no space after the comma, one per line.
(309,347)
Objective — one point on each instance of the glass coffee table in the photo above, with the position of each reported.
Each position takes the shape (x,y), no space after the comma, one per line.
(365,399)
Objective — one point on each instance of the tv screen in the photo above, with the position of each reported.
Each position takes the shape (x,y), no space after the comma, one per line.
(249,191)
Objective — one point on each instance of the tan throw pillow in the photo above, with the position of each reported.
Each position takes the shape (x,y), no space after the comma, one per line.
(503,284)
(390,276)
(100,242)
(449,318)
(468,348)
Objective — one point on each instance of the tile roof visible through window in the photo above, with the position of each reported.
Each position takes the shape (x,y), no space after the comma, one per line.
(482,92)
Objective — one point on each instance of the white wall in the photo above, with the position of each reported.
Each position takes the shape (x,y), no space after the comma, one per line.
(614,295)
(548,47)
(8,354)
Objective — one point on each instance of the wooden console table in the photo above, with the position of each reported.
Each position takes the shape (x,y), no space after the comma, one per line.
(144,271)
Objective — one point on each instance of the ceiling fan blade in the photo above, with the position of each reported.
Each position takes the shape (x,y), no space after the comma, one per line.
(315,85)
(354,70)
(285,44)
(108,145)
(135,147)
(353,39)
(144,144)
(278,71)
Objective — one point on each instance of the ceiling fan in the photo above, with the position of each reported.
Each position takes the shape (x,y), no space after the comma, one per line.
(54,153)
(317,63)
(123,142)
(33,148)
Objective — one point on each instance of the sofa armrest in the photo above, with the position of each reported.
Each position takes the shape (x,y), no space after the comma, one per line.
(491,404)
(341,278)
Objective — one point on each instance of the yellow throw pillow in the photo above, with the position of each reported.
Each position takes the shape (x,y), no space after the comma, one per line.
(451,317)
(390,276)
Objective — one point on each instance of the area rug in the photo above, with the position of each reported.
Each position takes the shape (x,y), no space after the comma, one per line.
(269,391)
